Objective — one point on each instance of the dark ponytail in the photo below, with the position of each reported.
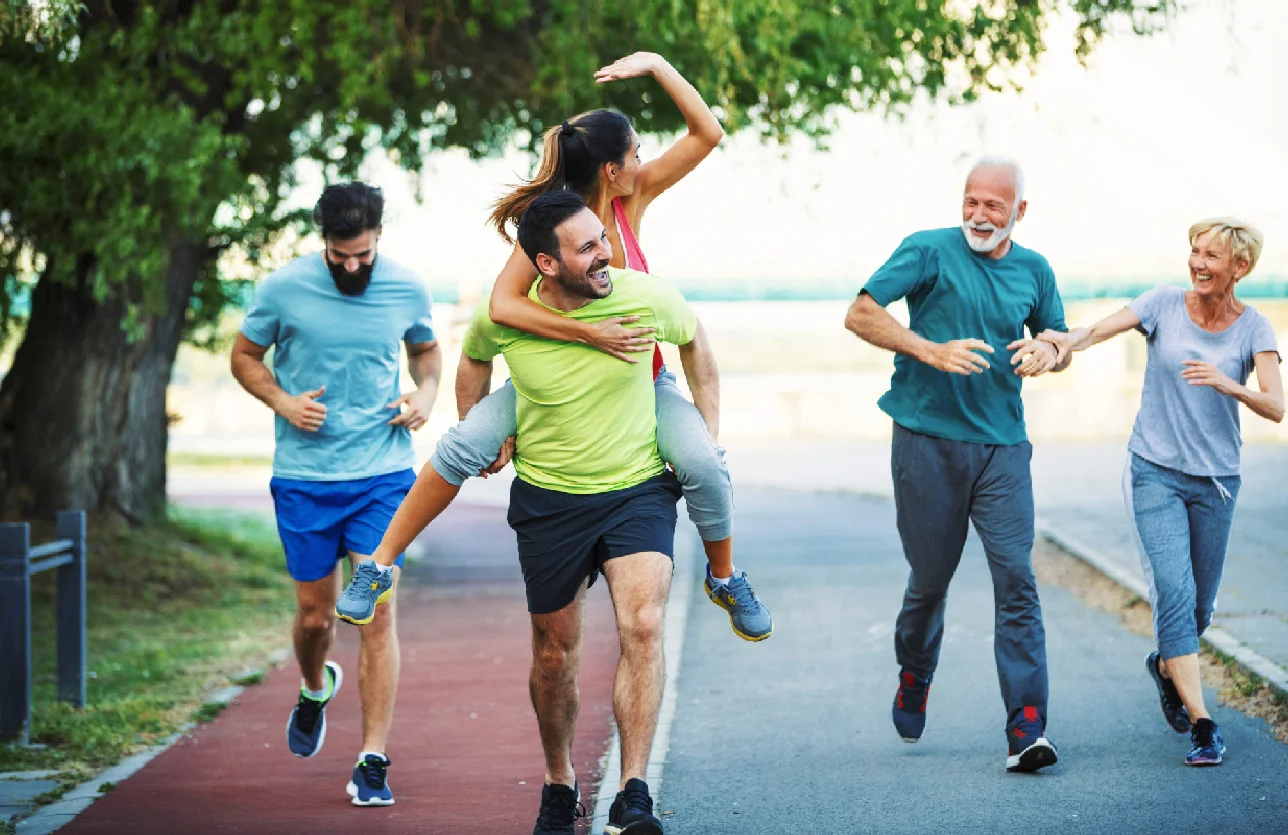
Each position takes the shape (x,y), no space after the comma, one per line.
(572,155)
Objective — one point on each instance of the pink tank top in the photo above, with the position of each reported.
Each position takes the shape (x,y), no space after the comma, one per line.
(635,260)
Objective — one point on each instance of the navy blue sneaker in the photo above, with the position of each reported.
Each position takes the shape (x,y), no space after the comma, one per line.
(306,729)
(909,710)
(369,785)
(1030,750)
(560,809)
(1209,744)
(1173,709)
(632,811)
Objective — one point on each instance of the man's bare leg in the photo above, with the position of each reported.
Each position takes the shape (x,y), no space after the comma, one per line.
(378,664)
(314,628)
(639,584)
(556,659)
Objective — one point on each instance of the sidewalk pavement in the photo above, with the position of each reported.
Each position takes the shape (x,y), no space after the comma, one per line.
(1078,491)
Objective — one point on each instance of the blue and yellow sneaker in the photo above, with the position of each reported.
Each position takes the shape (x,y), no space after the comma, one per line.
(368,589)
(749,618)
(306,729)
(369,785)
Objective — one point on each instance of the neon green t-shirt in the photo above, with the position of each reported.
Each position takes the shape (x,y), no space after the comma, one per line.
(586,420)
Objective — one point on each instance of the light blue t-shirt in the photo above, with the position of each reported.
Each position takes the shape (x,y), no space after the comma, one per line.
(1192,429)
(350,344)
(955,293)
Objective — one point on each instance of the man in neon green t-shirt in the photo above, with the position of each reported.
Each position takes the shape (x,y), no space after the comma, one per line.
(592,493)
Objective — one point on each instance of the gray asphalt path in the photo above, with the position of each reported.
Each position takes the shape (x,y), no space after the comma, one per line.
(793,735)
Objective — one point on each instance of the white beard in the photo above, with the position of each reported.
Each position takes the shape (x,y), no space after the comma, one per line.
(994,240)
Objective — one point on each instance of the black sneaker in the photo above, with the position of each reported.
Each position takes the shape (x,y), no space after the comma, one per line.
(632,811)
(1209,744)
(306,728)
(1173,710)
(909,710)
(560,808)
(1029,747)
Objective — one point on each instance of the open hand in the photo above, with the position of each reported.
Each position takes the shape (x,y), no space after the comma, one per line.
(612,337)
(961,356)
(503,458)
(1032,357)
(1201,373)
(632,66)
(304,412)
(418,404)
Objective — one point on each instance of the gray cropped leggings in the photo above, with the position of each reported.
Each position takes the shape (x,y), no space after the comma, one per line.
(682,441)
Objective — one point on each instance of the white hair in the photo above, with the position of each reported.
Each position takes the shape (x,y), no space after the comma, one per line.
(1002,162)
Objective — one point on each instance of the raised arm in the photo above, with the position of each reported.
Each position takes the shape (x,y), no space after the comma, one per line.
(511,307)
(700,370)
(703,135)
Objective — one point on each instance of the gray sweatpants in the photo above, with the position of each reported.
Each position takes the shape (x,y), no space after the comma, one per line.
(940,486)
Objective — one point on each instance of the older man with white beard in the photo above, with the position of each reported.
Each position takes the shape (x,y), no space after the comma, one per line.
(960,453)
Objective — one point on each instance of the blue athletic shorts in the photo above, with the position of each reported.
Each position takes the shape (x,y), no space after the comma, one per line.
(320,522)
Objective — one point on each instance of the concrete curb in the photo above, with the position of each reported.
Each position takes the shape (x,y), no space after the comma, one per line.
(56,815)
(677,615)
(1215,638)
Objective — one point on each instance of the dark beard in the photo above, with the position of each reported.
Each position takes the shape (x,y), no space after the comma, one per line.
(351,284)
(579,284)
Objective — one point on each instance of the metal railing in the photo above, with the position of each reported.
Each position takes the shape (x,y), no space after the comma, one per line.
(18,561)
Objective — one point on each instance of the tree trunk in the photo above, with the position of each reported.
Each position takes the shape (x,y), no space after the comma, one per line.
(83,410)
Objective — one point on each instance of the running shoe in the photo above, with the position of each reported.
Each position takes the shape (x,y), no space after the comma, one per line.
(560,809)
(306,729)
(1209,744)
(1173,710)
(909,710)
(632,811)
(749,618)
(369,785)
(368,589)
(1030,750)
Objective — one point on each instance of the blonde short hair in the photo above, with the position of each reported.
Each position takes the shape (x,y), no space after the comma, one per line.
(1242,240)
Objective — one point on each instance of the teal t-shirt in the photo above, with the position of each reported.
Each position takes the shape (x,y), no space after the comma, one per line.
(954,293)
(351,345)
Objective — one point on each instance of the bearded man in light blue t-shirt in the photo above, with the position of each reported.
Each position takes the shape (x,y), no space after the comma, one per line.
(960,454)
(343,461)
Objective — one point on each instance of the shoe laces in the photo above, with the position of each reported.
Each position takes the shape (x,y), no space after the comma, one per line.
(307,712)
(560,808)
(913,693)
(742,594)
(1202,734)
(373,771)
(635,798)
(365,574)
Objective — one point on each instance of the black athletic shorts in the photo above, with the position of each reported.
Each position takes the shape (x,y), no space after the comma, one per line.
(565,538)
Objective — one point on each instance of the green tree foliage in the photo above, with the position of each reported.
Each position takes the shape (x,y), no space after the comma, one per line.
(173,126)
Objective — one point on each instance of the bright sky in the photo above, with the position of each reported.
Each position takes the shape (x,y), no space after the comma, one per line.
(1120,158)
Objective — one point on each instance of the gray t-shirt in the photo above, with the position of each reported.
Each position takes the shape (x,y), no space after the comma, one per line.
(1193,429)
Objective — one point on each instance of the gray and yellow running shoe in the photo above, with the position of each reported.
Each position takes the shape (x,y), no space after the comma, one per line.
(368,589)
(749,618)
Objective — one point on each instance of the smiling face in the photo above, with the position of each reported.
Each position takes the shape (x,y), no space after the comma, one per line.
(584,253)
(990,209)
(1213,271)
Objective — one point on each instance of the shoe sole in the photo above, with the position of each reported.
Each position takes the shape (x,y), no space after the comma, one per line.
(1038,755)
(1203,763)
(1162,692)
(637,828)
(384,598)
(339,679)
(733,626)
(352,789)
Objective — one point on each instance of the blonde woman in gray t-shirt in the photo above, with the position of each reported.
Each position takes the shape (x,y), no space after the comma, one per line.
(1182,476)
